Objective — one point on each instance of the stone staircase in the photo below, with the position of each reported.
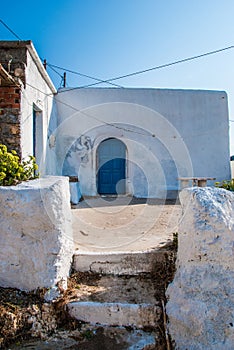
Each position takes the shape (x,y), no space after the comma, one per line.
(123,293)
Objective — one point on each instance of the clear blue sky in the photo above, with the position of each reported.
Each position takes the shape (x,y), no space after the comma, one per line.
(108,38)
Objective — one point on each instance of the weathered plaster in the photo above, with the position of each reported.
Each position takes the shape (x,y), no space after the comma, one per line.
(168,133)
(200,306)
(37,96)
(121,263)
(36,234)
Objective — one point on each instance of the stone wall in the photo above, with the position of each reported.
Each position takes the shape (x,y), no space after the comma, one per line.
(36,235)
(201,297)
(13,54)
(10,117)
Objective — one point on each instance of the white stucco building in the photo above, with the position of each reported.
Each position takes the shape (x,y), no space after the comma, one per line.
(139,141)
(116,140)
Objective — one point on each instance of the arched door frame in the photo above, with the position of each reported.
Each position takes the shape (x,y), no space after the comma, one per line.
(98,142)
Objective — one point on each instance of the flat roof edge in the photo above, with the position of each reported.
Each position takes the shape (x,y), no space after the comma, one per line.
(60,90)
(40,66)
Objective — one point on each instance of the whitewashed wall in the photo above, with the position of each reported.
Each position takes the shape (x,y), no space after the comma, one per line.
(36,234)
(168,133)
(38,94)
(200,298)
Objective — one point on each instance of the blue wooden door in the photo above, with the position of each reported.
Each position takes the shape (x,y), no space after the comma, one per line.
(111,164)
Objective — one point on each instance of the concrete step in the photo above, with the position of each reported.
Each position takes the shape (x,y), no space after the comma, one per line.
(115,314)
(118,263)
(115,301)
(111,289)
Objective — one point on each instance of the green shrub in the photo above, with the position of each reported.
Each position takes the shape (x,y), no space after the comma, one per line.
(14,171)
(227,184)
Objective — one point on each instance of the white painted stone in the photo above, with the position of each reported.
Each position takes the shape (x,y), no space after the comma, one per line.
(201,298)
(36,234)
(120,263)
(115,314)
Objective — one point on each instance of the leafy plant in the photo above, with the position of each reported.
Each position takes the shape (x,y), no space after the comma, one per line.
(227,184)
(14,171)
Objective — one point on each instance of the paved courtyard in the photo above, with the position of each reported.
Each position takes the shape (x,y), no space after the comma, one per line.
(124,224)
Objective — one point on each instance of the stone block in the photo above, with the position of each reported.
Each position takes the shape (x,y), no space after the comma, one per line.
(116,314)
(120,263)
(36,234)
(201,298)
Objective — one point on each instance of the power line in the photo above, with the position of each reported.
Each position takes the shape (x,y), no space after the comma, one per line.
(162,66)
(54,70)
(10,30)
(84,75)
(52,66)
(109,81)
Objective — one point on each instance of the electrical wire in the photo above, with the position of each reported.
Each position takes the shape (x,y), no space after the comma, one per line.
(10,30)
(52,66)
(90,116)
(54,70)
(109,81)
(162,66)
(84,75)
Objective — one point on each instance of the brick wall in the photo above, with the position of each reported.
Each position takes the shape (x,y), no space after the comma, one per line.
(10,97)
